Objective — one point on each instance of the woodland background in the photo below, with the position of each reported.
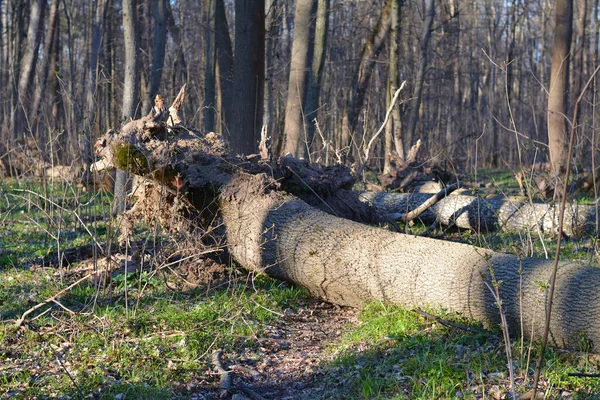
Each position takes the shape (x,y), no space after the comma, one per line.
(485,74)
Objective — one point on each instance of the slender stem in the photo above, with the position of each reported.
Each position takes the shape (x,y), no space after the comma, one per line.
(563,203)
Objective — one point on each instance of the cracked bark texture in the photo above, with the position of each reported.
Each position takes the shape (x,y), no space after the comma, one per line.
(470,212)
(348,263)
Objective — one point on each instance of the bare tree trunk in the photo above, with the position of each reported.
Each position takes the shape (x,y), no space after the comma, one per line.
(274,35)
(16,56)
(92,108)
(158,47)
(311,104)
(363,73)
(224,70)
(132,75)
(393,128)
(420,78)
(23,108)
(209,68)
(557,108)
(56,110)
(249,75)
(179,75)
(130,92)
(294,137)
(50,38)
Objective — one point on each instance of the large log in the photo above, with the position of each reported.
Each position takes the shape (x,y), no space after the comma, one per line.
(489,215)
(348,263)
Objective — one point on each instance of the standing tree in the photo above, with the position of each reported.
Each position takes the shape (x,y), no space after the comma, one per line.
(420,78)
(210,67)
(224,68)
(158,47)
(557,135)
(91,92)
(366,65)
(311,102)
(392,129)
(294,138)
(27,69)
(249,76)
(130,91)
(44,66)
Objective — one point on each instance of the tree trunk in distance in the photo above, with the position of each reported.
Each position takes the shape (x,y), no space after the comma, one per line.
(488,215)
(224,66)
(210,68)
(91,91)
(130,92)
(420,78)
(45,63)
(294,135)
(249,76)
(366,65)
(158,47)
(392,129)
(311,103)
(557,108)
(57,113)
(30,57)
(179,75)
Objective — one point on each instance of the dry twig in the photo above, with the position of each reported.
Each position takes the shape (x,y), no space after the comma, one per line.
(20,321)
(430,202)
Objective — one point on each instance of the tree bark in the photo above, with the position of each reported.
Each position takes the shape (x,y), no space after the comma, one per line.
(45,62)
(224,66)
(249,76)
(294,135)
(158,47)
(130,92)
(348,263)
(210,82)
(420,78)
(363,73)
(179,75)
(557,108)
(488,215)
(311,103)
(92,88)
(392,129)
(28,63)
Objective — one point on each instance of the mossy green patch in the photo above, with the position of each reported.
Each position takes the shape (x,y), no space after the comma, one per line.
(127,157)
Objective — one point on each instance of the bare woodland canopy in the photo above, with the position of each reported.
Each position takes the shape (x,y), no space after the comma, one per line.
(484,67)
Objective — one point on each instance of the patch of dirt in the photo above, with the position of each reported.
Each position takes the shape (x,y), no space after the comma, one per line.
(291,356)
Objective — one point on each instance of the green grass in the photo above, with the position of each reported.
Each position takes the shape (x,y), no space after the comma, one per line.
(139,339)
(136,337)
(35,220)
(397,354)
(162,343)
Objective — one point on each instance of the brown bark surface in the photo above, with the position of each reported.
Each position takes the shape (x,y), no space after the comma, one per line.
(557,109)
(294,132)
(249,76)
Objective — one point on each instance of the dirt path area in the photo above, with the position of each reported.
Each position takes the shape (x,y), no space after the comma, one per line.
(291,356)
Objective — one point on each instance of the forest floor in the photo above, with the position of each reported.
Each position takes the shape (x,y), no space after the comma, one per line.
(149,326)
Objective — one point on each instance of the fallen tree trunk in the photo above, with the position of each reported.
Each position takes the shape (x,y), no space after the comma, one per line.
(349,263)
(471,212)
(272,231)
